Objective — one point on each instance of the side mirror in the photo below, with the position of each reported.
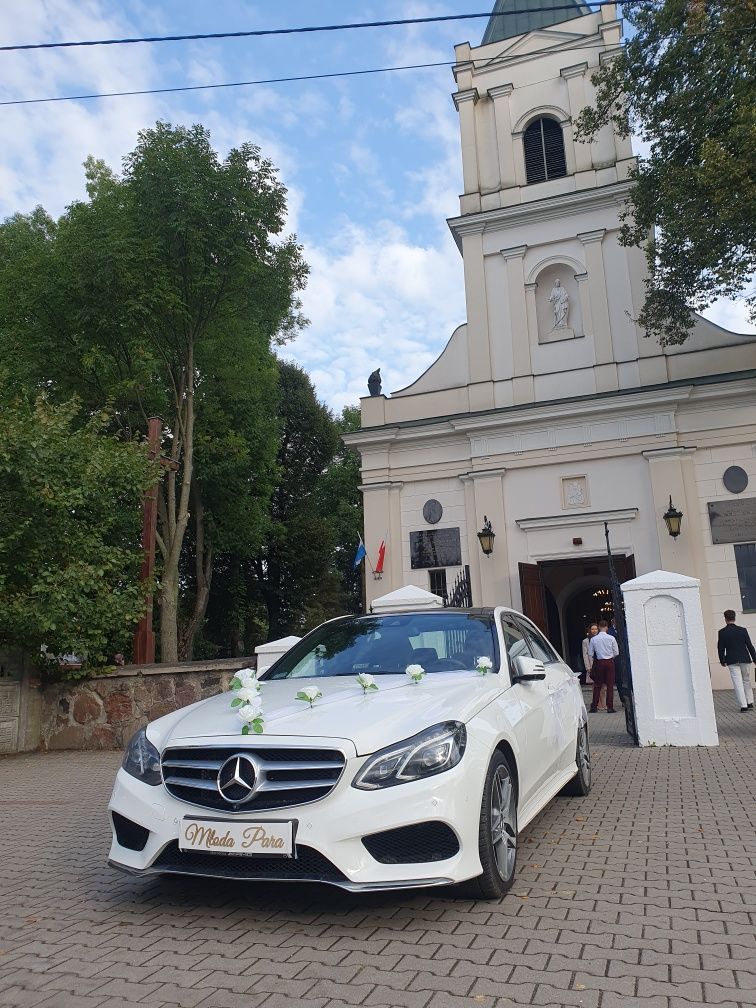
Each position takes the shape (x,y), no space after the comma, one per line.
(528,669)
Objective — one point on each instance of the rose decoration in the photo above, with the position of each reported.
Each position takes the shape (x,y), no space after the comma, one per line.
(483,665)
(367,682)
(309,694)
(415,672)
(245,678)
(248,703)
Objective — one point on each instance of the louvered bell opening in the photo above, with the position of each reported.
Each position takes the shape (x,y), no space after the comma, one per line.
(544,151)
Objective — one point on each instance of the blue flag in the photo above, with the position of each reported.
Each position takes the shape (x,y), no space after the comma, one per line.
(360,555)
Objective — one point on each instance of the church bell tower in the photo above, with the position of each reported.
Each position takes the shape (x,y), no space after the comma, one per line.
(551,294)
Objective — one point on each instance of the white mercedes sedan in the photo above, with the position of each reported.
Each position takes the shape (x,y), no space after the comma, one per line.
(383,751)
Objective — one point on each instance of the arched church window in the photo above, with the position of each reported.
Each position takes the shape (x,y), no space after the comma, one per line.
(544,151)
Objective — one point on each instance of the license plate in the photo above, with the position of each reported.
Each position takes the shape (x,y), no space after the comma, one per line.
(219,836)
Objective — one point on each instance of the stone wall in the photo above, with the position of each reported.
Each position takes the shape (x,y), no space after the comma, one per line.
(104,712)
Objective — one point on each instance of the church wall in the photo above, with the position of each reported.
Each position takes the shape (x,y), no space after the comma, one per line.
(450,494)
(724,587)
(443,438)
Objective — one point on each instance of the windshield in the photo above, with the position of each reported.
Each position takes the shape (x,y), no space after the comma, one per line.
(385,645)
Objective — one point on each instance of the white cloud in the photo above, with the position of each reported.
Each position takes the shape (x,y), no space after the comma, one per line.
(374,301)
(732,315)
(44,145)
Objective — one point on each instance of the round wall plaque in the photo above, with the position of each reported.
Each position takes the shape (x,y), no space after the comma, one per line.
(735,479)
(432,511)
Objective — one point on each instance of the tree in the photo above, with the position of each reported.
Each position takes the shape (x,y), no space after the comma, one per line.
(684,84)
(70,521)
(236,468)
(293,572)
(163,293)
(339,496)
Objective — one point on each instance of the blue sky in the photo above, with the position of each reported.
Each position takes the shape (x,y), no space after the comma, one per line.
(372,163)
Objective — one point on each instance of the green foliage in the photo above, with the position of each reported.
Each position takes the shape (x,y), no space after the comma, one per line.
(70,522)
(293,572)
(340,498)
(163,294)
(684,84)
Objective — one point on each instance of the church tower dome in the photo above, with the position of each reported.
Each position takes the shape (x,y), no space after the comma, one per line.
(518,17)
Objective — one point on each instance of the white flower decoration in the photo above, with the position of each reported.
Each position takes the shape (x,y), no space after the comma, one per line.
(249,712)
(249,694)
(366,681)
(247,678)
(415,672)
(248,703)
(483,664)
(309,694)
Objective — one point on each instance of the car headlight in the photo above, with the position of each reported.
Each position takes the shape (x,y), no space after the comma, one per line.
(431,752)
(142,760)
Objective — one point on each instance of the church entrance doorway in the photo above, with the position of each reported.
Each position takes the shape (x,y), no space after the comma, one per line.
(563,596)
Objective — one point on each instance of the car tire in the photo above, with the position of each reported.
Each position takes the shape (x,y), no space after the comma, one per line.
(497,832)
(580,785)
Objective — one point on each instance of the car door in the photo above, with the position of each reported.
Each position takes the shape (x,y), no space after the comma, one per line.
(535,724)
(561,708)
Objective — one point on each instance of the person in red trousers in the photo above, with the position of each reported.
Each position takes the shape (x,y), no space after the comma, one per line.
(603,650)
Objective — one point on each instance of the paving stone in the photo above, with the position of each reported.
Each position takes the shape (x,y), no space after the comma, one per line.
(637,895)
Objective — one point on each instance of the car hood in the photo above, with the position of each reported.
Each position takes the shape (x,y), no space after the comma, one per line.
(397,710)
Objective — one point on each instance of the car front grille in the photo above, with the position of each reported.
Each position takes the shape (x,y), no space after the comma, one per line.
(283,777)
(308,866)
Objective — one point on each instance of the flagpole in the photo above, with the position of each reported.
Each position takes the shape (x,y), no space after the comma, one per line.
(367,557)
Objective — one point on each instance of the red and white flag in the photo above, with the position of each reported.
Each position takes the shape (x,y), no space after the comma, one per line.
(381,557)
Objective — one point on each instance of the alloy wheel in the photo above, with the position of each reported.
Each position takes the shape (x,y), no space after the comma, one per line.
(503,823)
(584,755)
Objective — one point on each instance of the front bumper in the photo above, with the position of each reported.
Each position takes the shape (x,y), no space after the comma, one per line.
(329,832)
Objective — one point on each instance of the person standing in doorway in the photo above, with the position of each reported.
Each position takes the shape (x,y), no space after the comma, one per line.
(603,650)
(737,652)
(590,631)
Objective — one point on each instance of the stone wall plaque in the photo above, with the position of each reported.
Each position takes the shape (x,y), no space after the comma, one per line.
(10,699)
(664,621)
(732,520)
(435,548)
(735,479)
(433,512)
(8,735)
(575,492)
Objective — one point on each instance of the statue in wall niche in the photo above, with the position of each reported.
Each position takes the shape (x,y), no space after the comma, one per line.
(560,299)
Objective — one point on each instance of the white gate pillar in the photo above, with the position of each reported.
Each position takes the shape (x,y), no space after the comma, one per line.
(671,682)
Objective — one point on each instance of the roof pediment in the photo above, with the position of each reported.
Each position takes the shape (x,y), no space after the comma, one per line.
(536,42)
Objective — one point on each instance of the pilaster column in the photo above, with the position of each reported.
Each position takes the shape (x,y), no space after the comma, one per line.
(575,77)
(603,150)
(532,313)
(503,121)
(665,467)
(490,572)
(476,298)
(514,259)
(464,102)
(594,260)
(672,473)
(382,514)
(585,304)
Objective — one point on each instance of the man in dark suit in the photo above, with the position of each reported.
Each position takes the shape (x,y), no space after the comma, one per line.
(737,652)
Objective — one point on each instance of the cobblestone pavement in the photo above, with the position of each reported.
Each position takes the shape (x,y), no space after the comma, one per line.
(644,893)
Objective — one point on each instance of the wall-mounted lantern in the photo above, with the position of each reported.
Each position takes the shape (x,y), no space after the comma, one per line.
(673,519)
(486,537)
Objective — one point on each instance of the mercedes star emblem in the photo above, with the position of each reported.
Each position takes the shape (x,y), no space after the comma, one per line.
(237,779)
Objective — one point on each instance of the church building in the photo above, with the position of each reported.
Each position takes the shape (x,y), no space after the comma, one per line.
(549,411)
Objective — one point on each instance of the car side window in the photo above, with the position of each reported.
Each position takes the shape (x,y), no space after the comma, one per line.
(515,643)
(540,648)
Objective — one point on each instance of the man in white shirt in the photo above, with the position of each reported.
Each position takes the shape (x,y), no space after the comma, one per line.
(603,650)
